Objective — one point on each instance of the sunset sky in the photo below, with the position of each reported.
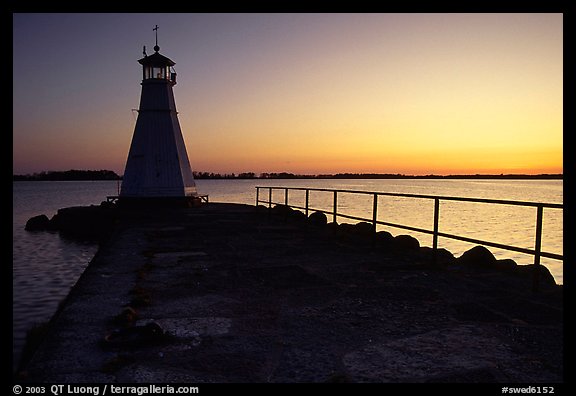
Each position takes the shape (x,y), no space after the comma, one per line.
(302,93)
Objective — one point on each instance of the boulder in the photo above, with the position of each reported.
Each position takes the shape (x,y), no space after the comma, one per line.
(505,265)
(545,277)
(384,238)
(92,222)
(363,229)
(444,256)
(346,228)
(298,215)
(333,227)
(478,256)
(282,210)
(38,223)
(441,256)
(318,219)
(405,242)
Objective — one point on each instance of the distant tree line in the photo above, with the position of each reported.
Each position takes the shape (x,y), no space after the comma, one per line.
(212,175)
(476,176)
(286,175)
(69,175)
(251,175)
(74,174)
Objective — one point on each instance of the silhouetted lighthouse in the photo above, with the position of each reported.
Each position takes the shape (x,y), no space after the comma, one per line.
(157,164)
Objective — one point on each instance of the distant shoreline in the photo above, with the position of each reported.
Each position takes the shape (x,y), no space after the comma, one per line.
(70,175)
(92,175)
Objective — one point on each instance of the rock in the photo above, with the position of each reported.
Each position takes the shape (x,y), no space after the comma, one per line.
(384,238)
(364,229)
(406,242)
(298,215)
(38,223)
(282,210)
(333,227)
(318,219)
(477,256)
(545,277)
(92,222)
(481,257)
(346,228)
(83,222)
(346,232)
(443,256)
(505,265)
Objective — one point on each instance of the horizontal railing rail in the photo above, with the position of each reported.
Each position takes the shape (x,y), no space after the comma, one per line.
(435,232)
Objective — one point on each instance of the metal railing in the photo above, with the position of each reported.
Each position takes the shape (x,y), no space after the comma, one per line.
(536,252)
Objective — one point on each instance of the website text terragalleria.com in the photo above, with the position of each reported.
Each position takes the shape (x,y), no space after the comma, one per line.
(102,390)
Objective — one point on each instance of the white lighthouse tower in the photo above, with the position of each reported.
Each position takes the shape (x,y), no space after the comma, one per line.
(157,167)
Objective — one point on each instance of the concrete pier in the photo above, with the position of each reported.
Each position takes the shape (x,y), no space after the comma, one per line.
(245,296)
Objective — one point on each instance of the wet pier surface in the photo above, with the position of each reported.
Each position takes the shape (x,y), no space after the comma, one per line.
(244,296)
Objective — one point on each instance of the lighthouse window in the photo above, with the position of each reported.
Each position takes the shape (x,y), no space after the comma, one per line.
(148,73)
(157,72)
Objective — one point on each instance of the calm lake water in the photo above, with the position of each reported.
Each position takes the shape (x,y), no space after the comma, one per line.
(45,266)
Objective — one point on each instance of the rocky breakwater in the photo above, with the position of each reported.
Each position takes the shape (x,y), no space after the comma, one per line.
(474,261)
(231,293)
(92,222)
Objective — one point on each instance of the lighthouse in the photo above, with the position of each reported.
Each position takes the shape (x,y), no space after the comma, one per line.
(157,168)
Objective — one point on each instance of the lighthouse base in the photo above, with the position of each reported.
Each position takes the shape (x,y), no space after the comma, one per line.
(159,202)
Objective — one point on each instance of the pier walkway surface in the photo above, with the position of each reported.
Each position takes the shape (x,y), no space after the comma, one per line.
(245,296)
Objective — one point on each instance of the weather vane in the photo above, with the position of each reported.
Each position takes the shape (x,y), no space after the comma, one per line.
(156,48)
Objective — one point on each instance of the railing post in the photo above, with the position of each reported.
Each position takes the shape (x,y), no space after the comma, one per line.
(307,199)
(286,204)
(375,211)
(435,235)
(335,206)
(537,249)
(374,218)
(436,217)
(269,197)
(257,195)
